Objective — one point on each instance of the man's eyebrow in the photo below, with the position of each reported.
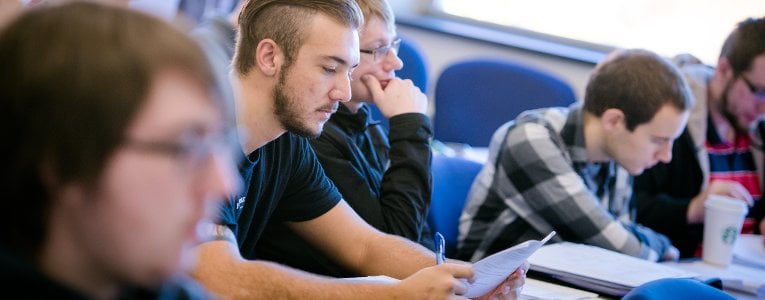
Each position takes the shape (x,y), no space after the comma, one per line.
(340,60)
(336,59)
(663,138)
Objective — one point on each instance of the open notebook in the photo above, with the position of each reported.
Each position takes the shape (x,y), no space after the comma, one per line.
(598,269)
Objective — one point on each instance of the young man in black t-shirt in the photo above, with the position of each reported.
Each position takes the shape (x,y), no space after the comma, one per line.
(293,64)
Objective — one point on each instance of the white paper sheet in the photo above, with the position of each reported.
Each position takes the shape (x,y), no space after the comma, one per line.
(734,277)
(493,269)
(537,289)
(596,268)
(749,251)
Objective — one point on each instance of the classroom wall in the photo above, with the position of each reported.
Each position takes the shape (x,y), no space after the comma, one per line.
(442,49)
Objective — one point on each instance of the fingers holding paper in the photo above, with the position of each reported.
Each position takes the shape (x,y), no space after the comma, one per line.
(439,282)
(511,287)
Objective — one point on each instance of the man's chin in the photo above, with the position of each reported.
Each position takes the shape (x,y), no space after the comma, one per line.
(304,131)
(308,132)
(637,171)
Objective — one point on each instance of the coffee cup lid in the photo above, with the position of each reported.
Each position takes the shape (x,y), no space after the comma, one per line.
(726,203)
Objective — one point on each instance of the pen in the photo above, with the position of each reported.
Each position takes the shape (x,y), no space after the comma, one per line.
(440,248)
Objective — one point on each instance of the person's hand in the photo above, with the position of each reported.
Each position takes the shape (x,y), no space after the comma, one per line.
(437,282)
(398,97)
(671,254)
(726,188)
(510,289)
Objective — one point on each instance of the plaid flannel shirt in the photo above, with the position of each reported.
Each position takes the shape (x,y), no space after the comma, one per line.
(538,179)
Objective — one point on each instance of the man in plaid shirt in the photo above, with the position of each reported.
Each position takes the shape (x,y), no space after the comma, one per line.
(565,169)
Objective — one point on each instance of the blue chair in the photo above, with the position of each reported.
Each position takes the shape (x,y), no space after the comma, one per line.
(474,97)
(674,288)
(452,179)
(415,68)
(415,64)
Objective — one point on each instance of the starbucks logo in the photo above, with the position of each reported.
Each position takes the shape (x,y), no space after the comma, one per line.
(729,235)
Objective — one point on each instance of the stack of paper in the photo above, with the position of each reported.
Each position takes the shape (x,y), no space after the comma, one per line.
(734,277)
(598,269)
(749,251)
(535,289)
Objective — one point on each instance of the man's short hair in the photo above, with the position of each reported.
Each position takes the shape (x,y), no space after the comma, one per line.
(637,82)
(744,44)
(73,77)
(286,22)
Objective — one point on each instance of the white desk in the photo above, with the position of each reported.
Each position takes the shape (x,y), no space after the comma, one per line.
(739,275)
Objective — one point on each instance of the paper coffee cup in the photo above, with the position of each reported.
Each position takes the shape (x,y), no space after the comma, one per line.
(723,218)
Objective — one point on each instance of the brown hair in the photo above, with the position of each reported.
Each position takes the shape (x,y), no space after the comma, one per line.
(637,82)
(73,77)
(285,21)
(744,44)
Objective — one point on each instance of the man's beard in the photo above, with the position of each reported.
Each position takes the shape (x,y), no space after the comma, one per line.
(286,109)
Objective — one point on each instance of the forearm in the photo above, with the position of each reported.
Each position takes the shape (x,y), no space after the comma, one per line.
(579,216)
(396,257)
(221,271)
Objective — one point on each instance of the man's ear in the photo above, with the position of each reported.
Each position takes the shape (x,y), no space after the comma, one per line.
(723,69)
(612,119)
(268,57)
(61,193)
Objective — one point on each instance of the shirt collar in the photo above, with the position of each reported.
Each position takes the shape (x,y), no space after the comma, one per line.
(358,121)
(573,133)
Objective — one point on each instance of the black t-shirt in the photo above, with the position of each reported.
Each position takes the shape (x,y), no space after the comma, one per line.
(283,181)
(386,182)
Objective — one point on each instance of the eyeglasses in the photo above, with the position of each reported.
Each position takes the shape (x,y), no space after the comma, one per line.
(192,150)
(381,52)
(759,93)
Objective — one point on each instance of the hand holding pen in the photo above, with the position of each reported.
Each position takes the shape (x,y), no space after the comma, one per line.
(440,248)
(508,289)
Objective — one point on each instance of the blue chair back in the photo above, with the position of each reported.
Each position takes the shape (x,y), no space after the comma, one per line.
(452,179)
(415,68)
(474,97)
(415,65)
(676,288)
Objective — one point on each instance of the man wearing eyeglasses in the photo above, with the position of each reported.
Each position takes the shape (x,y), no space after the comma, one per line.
(721,150)
(384,176)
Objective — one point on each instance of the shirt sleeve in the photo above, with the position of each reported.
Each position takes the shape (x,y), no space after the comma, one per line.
(227,215)
(537,165)
(398,202)
(407,184)
(309,192)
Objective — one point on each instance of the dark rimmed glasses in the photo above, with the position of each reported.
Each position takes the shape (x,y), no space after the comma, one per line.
(379,53)
(759,93)
(192,150)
